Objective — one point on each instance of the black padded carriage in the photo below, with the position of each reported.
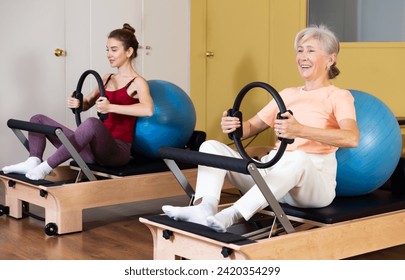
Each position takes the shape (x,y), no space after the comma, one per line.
(141,164)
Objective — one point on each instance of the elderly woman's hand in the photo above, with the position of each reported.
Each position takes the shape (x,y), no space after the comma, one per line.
(287,127)
(229,124)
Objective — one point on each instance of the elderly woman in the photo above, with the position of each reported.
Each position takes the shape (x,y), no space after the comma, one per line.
(323,120)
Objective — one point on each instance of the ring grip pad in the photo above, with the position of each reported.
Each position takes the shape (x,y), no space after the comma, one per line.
(79,96)
(287,140)
(238,133)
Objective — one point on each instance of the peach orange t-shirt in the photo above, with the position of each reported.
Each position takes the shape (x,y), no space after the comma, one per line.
(321,108)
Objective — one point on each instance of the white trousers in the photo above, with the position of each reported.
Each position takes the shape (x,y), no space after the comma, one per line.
(299,179)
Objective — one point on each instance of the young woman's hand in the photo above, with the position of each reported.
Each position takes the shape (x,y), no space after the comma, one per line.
(102,105)
(72,103)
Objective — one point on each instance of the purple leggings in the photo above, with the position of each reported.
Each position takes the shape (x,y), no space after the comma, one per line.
(91,139)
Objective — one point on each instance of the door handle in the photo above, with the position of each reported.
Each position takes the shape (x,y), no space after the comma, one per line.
(209,54)
(59,52)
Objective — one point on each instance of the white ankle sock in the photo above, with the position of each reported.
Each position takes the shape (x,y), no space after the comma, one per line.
(196,214)
(224,219)
(22,167)
(39,172)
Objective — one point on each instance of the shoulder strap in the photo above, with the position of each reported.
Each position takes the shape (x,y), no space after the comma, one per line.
(130,82)
(108,79)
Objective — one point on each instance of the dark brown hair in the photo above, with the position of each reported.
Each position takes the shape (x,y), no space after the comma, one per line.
(126,35)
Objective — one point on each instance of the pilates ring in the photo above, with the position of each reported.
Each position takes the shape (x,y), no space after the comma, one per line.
(238,133)
(79,95)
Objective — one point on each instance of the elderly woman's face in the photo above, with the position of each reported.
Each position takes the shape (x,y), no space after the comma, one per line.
(312,61)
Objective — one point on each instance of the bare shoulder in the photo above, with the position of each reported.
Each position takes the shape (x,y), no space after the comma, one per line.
(140,84)
(139,88)
(107,76)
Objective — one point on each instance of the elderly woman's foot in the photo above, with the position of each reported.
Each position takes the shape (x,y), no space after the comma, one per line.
(224,219)
(195,214)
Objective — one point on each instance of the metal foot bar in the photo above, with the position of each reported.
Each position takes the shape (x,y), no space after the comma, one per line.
(174,168)
(17,126)
(271,200)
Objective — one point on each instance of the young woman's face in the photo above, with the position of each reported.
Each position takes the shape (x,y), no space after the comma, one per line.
(116,53)
(312,61)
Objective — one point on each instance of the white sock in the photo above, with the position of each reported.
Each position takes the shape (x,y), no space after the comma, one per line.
(224,219)
(39,172)
(22,167)
(196,214)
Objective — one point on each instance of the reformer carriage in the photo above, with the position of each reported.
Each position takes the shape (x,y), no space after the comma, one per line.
(351,225)
(66,192)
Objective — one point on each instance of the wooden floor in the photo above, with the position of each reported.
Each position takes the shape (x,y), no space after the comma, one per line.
(110,233)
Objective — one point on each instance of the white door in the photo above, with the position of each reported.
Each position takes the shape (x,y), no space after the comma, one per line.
(102,22)
(162,28)
(32,77)
(88,24)
(166,41)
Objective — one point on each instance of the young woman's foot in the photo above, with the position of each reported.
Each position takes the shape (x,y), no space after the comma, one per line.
(39,172)
(22,167)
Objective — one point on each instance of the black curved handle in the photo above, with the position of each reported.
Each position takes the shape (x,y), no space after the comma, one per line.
(79,95)
(33,127)
(236,136)
(206,159)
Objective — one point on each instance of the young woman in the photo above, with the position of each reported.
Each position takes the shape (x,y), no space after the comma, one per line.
(323,119)
(107,143)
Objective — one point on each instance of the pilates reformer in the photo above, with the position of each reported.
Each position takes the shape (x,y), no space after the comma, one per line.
(71,188)
(66,192)
(349,226)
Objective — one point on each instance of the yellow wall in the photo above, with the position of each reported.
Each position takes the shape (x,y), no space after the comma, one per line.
(278,35)
(377,68)
(286,19)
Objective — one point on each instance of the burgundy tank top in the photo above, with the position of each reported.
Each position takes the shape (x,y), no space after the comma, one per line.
(121,126)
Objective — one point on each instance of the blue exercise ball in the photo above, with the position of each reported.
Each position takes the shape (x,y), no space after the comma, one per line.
(172,123)
(363,169)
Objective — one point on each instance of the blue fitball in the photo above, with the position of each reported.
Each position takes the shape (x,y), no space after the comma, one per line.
(172,123)
(364,169)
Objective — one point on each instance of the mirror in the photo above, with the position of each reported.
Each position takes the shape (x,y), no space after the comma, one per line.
(360,20)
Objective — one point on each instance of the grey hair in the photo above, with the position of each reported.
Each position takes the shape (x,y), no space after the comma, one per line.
(329,43)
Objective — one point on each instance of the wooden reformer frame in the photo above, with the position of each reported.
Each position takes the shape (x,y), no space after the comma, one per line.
(64,195)
(357,232)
